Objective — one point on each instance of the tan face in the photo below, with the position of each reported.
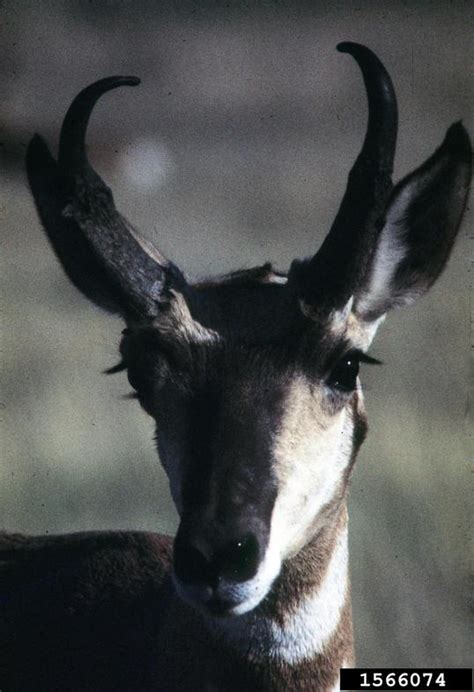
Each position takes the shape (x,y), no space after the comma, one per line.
(312,452)
(257,442)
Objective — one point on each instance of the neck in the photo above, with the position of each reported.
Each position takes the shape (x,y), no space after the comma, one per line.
(301,635)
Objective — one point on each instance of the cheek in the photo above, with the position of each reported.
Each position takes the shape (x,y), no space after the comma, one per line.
(309,474)
(171,435)
(169,453)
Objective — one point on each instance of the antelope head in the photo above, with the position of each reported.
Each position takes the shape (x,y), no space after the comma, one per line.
(252,379)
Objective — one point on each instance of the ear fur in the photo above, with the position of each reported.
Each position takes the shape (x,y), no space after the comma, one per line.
(421,223)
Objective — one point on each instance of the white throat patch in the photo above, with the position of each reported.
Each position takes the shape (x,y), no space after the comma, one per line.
(307,629)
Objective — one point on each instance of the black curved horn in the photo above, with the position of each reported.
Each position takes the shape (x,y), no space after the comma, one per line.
(72,153)
(381,136)
(101,252)
(341,263)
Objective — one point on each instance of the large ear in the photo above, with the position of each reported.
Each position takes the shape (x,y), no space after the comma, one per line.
(422,218)
(99,250)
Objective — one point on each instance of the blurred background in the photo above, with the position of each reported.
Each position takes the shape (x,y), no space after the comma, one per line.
(233,151)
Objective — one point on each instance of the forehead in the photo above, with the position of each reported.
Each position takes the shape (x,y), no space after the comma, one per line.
(240,373)
(259,306)
(230,384)
(251,305)
(243,337)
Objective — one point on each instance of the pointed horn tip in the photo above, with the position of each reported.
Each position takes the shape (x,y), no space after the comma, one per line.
(352,48)
(101,86)
(366,58)
(73,131)
(345,46)
(372,67)
(128,80)
(87,97)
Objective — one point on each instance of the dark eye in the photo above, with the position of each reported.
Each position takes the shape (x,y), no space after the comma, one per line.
(344,374)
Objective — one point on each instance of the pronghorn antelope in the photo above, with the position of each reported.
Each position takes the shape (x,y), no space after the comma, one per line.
(252,380)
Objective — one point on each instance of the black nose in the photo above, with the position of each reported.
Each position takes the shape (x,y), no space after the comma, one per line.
(197,562)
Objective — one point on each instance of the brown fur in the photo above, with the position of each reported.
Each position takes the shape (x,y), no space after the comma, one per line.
(98,611)
(105,598)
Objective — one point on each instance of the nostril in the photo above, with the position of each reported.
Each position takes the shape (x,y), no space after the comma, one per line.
(190,565)
(238,560)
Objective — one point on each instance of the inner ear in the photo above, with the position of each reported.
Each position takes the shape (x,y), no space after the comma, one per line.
(342,325)
(361,332)
(422,219)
